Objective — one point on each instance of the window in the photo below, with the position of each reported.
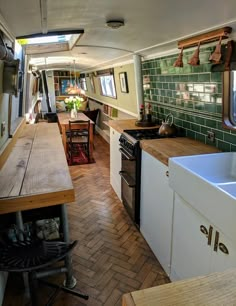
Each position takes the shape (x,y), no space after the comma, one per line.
(233,96)
(229,99)
(83,84)
(107,85)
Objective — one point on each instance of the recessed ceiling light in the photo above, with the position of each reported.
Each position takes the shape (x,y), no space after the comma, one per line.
(115,24)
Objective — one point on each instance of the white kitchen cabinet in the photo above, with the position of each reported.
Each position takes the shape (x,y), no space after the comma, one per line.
(195,250)
(191,254)
(156,208)
(115,161)
(224,255)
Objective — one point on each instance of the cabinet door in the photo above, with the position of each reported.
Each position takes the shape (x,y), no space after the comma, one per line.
(115,162)
(191,254)
(156,209)
(224,252)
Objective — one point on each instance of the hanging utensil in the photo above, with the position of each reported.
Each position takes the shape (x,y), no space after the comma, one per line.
(215,57)
(194,60)
(179,61)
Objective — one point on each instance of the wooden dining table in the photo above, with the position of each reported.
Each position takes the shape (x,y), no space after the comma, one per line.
(35,176)
(63,120)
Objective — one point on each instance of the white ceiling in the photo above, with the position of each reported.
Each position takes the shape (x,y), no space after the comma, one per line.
(151,26)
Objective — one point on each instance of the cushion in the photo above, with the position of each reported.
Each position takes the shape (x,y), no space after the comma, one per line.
(60,106)
(83,106)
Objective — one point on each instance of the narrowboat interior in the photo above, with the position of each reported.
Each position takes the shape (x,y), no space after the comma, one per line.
(117,153)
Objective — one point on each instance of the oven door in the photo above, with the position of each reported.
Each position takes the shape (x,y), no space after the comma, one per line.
(128,182)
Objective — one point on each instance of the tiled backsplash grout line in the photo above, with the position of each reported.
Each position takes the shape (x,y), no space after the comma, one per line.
(187,111)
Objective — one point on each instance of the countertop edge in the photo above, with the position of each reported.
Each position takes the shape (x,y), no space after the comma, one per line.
(165,148)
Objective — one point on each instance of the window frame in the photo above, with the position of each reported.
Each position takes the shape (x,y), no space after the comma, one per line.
(229,122)
(101,88)
(83,83)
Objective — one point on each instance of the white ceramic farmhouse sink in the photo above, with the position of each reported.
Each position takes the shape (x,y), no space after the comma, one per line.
(208,183)
(215,168)
(229,188)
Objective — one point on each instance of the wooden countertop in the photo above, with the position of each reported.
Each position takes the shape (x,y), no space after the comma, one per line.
(126,124)
(164,148)
(211,290)
(36,173)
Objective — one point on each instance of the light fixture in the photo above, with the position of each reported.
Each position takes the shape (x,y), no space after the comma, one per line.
(194,60)
(44,16)
(69,84)
(115,24)
(73,88)
(216,55)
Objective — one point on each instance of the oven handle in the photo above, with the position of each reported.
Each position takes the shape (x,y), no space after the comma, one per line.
(122,151)
(125,178)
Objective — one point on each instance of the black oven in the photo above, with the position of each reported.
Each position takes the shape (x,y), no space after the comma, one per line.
(131,168)
(130,177)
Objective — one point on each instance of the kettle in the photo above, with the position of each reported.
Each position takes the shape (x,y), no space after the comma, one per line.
(168,128)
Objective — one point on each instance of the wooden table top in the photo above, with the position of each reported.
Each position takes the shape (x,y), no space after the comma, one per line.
(211,290)
(64,118)
(36,173)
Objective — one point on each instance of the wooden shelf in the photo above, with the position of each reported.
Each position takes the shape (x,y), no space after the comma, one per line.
(205,38)
(106,123)
(106,132)
(112,118)
(120,109)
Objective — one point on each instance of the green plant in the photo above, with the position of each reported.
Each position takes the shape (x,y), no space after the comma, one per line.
(73,102)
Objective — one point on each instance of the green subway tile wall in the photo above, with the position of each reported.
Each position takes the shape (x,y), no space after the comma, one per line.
(193,94)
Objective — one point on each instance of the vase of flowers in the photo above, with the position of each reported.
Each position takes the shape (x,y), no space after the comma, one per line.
(73,104)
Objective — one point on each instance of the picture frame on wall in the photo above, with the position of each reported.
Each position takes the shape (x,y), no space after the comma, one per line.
(65,84)
(123,82)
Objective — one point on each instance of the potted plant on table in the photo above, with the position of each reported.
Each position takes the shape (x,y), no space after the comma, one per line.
(73,104)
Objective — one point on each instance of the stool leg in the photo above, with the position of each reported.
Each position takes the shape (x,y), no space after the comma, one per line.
(20,226)
(33,284)
(70,281)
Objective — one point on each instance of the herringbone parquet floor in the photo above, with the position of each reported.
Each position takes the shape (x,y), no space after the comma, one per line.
(112,257)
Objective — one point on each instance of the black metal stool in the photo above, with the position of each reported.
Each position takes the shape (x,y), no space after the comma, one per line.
(34,257)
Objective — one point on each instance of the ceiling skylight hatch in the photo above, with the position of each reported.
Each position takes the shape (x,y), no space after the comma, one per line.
(45,40)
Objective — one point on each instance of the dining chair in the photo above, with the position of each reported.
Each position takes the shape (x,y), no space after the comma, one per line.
(92,114)
(78,139)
